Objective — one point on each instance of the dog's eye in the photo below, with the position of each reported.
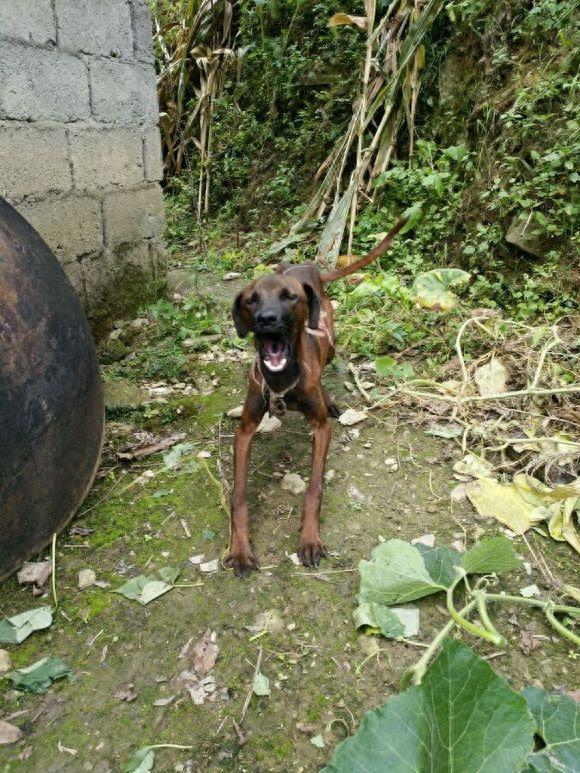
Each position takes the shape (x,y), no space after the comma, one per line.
(252,299)
(286,295)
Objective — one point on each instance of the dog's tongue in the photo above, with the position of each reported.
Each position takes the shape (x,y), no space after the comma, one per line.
(274,354)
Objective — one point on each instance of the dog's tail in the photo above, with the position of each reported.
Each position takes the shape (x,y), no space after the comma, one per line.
(381,248)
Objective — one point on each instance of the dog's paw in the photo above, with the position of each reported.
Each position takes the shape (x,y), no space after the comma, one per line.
(242,563)
(310,551)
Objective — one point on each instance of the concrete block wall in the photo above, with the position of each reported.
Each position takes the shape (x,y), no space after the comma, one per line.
(80,153)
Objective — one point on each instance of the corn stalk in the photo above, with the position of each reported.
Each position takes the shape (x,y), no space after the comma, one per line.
(388,94)
(196,49)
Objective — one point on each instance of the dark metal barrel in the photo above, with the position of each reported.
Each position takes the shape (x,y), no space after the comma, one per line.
(51,398)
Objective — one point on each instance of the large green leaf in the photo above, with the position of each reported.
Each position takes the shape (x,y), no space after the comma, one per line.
(432,289)
(400,572)
(14,630)
(495,554)
(557,720)
(463,717)
(440,563)
(39,676)
(396,573)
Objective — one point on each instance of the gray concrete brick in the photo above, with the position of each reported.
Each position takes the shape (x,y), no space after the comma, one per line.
(95,26)
(40,85)
(29,20)
(104,157)
(133,215)
(142,31)
(71,226)
(123,93)
(152,154)
(33,161)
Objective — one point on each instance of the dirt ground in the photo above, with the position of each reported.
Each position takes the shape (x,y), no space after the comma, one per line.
(321,676)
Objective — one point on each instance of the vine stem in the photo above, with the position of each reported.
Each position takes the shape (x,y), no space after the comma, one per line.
(53,571)
(479,596)
(492,636)
(561,629)
(574,611)
(417,671)
(168,746)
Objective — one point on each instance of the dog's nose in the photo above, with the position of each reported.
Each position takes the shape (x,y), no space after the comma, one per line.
(267,317)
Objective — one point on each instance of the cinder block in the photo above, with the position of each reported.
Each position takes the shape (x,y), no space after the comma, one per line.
(123,93)
(71,227)
(40,85)
(95,26)
(142,31)
(136,255)
(33,161)
(152,154)
(29,20)
(104,157)
(133,215)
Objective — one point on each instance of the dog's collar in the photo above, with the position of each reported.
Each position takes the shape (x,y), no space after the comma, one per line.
(276,403)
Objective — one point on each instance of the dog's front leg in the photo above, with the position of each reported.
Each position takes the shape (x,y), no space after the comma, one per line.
(311,548)
(241,557)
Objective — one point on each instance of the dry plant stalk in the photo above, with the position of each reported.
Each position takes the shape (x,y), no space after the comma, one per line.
(197,50)
(390,84)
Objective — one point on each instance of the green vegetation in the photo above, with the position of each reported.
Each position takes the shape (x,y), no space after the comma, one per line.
(495,151)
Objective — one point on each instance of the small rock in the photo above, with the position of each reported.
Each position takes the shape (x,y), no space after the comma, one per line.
(351,417)
(114,350)
(425,539)
(392,464)
(294,483)
(530,591)
(209,566)
(204,455)
(5,662)
(329,475)
(196,560)
(9,733)
(232,275)
(86,578)
(269,424)
(235,413)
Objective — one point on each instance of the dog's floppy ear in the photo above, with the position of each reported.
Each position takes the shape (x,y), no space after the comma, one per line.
(242,328)
(313,306)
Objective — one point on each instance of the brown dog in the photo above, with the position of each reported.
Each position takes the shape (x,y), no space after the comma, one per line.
(291,318)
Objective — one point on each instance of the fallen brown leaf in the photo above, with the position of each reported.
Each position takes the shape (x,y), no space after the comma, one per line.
(204,653)
(34,572)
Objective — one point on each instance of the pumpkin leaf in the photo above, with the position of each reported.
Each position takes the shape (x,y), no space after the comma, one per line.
(38,677)
(557,720)
(462,717)
(391,622)
(432,289)
(145,588)
(14,630)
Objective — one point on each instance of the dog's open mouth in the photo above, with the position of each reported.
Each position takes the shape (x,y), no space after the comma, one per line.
(275,353)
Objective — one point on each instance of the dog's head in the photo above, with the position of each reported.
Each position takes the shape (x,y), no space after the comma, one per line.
(276,308)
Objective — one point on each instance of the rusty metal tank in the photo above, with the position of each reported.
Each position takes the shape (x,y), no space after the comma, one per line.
(51,399)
